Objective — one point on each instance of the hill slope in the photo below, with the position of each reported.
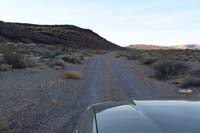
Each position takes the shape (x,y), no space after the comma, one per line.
(68,35)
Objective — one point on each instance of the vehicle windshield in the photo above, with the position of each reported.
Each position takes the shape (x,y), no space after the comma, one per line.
(59,57)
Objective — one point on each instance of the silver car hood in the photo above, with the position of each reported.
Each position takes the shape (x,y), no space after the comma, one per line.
(146,117)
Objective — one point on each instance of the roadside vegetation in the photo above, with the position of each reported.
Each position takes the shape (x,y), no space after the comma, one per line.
(22,56)
(168,69)
(174,66)
(157,55)
(3,124)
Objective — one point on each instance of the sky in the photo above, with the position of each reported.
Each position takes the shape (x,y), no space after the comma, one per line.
(124,22)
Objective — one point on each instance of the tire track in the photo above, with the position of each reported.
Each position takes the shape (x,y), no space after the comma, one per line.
(87,92)
(131,82)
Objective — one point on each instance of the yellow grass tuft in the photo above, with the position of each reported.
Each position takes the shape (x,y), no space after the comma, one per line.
(72,75)
(3,123)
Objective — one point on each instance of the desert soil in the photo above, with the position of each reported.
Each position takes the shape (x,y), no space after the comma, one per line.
(41,101)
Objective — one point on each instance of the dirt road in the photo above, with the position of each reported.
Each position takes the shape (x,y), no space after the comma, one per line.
(55,105)
(107,80)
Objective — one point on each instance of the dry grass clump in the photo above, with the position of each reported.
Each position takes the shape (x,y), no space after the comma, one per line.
(24,107)
(3,123)
(72,75)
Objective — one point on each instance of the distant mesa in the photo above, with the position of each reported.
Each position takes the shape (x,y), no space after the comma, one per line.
(145,47)
(67,35)
(156,47)
(187,46)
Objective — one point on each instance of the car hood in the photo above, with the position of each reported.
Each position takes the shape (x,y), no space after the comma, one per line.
(148,117)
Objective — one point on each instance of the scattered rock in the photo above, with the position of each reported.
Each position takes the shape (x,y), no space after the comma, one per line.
(56,103)
(57,67)
(41,86)
(42,67)
(34,70)
(186,91)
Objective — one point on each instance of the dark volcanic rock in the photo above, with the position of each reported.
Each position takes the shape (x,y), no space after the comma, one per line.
(68,35)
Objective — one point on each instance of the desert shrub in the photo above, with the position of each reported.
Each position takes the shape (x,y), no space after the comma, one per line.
(120,54)
(166,69)
(75,58)
(2,59)
(3,123)
(72,75)
(193,82)
(87,54)
(132,56)
(117,56)
(46,54)
(196,73)
(58,62)
(148,60)
(97,51)
(14,59)
(5,67)
(30,62)
(23,51)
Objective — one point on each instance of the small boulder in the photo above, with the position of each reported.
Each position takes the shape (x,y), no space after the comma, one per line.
(186,91)
(57,67)
(34,70)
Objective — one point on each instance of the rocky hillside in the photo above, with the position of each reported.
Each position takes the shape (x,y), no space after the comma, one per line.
(68,35)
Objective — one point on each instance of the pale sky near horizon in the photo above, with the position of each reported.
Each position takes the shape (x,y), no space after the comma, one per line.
(160,22)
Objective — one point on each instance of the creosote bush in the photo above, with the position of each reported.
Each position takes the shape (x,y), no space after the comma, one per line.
(166,69)
(196,73)
(72,75)
(14,59)
(5,67)
(192,82)
(148,60)
(74,58)
(58,62)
